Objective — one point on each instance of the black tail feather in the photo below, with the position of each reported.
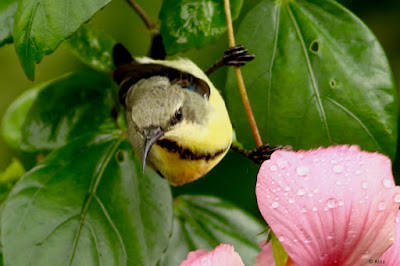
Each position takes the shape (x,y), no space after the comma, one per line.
(121,55)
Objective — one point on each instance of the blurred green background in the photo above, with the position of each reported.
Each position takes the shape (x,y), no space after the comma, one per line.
(120,21)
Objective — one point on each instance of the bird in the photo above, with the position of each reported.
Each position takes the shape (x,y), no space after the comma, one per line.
(177,121)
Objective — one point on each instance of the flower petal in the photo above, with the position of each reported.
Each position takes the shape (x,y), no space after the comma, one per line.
(392,255)
(266,256)
(329,205)
(223,255)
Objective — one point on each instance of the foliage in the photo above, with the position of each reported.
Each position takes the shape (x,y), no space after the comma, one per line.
(307,98)
(320,77)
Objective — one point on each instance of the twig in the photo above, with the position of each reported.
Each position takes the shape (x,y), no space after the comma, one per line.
(143,15)
(239,78)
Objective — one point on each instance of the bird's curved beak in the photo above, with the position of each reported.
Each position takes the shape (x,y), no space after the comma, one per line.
(151,135)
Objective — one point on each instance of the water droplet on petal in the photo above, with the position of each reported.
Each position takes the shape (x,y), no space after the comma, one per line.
(275,205)
(316,190)
(338,169)
(366,252)
(331,203)
(302,170)
(381,205)
(291,200)
(341,203)
(331,235)
(358,172)
(338,183)
(287,188)
(325,255)
(387,183)
(273,168)
(301,192)
(315,208)
(354,148)
(304,210)
(308,239)
(281,238)
(364,185)
(282,164)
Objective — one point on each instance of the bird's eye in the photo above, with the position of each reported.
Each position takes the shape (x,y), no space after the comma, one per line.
(177,117)
(178,114)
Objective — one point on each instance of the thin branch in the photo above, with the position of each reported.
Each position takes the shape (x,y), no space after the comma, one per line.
(239,78)
(143,15)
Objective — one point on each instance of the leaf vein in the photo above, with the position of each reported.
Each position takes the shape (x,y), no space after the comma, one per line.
(310,72)
(95,241)
(97,177)
(347,111)
(105,212)
(277,21)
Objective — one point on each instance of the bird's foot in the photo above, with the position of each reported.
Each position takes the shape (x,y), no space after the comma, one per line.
(237,56)
(234,56)
(262,153)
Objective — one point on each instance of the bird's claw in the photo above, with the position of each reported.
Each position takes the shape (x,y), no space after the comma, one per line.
(263,153)
(237,56)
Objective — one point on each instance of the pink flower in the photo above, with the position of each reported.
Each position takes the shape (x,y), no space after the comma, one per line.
(328,206)
(392,255)
(333,205)
(266,257)
(223,255)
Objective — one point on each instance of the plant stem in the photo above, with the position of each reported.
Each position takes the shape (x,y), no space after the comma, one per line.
(239,78)
(143,15)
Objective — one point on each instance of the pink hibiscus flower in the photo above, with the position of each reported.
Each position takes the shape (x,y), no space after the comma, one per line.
(331,206)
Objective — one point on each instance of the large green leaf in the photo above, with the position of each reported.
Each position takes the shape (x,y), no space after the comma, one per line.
(88,203)
(203,222)
(41,25)
(67,108)
(7,12)
(93,47)
(320,77)
(189,24)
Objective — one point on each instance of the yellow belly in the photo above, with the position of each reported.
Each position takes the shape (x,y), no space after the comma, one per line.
(179,171)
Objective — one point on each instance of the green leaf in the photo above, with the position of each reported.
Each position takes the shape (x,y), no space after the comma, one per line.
(7,12)
(279,252)
(11,127)
(41,25)
(88,203)
(320,77)
(189,24)
(93,47)
(9,177)
(66,108)
(203,222)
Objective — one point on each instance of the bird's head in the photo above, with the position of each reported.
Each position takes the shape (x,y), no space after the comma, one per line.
(161,105)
